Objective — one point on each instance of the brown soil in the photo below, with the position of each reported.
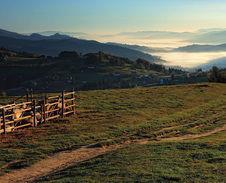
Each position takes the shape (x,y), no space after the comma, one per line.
(65,159)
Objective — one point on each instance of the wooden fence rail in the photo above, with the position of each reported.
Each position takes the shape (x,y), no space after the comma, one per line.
(15,116)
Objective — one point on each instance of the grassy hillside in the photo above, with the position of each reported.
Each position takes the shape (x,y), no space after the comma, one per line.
(82,72)
(197,160)
(111,116)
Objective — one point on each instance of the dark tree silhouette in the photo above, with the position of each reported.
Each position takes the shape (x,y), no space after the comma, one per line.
(217,75)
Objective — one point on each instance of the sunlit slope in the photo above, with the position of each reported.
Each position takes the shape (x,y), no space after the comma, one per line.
(107,117)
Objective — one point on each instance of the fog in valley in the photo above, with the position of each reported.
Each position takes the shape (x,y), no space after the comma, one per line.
(181,59)
(189,60)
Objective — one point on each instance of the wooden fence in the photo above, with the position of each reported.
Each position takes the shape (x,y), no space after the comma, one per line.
(15,116)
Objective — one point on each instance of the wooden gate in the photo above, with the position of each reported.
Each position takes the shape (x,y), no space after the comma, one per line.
(15,116)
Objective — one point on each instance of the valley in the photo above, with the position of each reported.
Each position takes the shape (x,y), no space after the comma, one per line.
(112,91)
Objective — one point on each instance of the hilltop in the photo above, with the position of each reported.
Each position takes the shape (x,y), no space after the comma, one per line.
(84,72)
(201,48)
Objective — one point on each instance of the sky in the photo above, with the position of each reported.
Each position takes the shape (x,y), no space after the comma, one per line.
(111,16)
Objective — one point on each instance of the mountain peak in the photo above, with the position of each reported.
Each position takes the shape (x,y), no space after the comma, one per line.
(59,36)
(36,36)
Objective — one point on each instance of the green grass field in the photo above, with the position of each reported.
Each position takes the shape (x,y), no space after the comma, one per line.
(197,160)
(107,117)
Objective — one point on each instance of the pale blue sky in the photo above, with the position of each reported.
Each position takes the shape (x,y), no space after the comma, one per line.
(111,16)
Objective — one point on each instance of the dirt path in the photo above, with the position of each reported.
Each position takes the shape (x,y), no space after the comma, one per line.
(65,159)
(192,136)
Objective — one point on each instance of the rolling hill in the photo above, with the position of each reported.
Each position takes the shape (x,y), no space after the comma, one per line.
(89,71)
(15,35)
(33,36)
(140,48)
(220,63)
(158,35)
(201,48)
(215,36)
(53,45)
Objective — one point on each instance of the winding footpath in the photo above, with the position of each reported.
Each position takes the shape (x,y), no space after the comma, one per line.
(69,158)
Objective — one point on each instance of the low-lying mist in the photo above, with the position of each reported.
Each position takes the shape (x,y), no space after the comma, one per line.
(182,59)
(189,60)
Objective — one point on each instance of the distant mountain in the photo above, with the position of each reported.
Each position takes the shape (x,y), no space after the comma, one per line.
(139,48)
(33,36)
(201,48)
(220,63)
(12,34)
(72,34)
(52,46)
(36,36)
(210,37)
(211,30)
(158,35)
(214,35)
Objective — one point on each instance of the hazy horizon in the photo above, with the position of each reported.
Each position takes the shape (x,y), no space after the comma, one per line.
(118,21)
(181,59)
(107,17)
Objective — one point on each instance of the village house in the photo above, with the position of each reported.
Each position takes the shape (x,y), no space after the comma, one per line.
(116,74)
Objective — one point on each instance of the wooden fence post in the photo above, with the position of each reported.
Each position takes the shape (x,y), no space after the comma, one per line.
(44,108)
(46,102)
(46,98)
(31,94)
(4,126)
(13,117)
(27,95)
(62,114)
(41,110)
(73,101)
(34,111)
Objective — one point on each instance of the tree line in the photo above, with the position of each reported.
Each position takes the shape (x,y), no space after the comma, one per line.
(217,75)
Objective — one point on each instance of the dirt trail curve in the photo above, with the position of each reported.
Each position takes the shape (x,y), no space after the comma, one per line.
(65,159)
